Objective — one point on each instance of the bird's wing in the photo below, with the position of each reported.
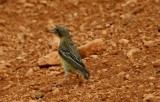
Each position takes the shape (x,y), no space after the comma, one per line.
(71,59)
(73,50)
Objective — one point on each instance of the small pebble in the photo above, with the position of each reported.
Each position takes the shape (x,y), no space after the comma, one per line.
(50,59)
(132,52)
(55,91)
(29,72)
(39,95)
(152,78)
(156,63)
(123,41)
(151,98)
(94,56)
(149,43)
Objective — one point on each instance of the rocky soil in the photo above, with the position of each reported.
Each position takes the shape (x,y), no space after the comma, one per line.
(119,41)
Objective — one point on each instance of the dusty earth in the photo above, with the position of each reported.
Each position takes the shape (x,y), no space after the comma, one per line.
(127,69)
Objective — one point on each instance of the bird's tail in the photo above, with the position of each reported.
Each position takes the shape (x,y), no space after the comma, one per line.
(85,74)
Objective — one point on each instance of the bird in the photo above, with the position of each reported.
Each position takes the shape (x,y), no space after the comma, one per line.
(69,56)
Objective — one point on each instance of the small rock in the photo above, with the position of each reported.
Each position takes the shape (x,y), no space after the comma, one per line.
(43,2)
(75,2)
(152,78)
(148,97)
(132,51)
(35,68)
(34,21)
(157,41)
(156,63)
(91,48)
(149,43)
(46,89)
(99,26)
(151,98)
(125,16)
(144,64)
(8,86)
(104,70)
(123,41)
(22,56)
(121,74)
(138,10)
(81,27)
(39,95)
(94,56)
(107,25)
(127,77)
(114,52)
(28,5)
(113,44)
(50,59)
(32,101)
(55,73)
(55,91)
(158,71)
(29,72)
(2,62)
(129,2)
(104,32)
(21,37)
(22,28)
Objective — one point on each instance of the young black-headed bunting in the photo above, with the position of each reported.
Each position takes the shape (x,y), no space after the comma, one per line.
(69,55)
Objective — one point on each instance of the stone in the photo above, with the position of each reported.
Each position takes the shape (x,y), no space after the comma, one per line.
(149,43)
(90,48)
(123,41)
(113,44)
(132,51)
(156,63)
(29,72)
(49,59)
(43,2)
(39,95)
(94,56)
(151,98)
(55,91)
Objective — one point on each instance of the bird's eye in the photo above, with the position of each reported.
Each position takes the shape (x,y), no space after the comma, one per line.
(58,31)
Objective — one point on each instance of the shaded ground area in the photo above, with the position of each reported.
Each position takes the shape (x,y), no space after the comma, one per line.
(124,71)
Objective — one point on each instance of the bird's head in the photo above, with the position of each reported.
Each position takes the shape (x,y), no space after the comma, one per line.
(60,31)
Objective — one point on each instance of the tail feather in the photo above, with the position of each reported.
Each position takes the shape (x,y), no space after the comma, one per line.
(84,73)
(86,76)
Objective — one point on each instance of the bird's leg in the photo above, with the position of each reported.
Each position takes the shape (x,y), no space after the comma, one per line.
(61,81)
(64,79)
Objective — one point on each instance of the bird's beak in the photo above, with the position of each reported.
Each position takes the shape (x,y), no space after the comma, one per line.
(52,31)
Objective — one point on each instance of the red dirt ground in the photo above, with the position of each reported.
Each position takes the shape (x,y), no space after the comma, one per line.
(123,71)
